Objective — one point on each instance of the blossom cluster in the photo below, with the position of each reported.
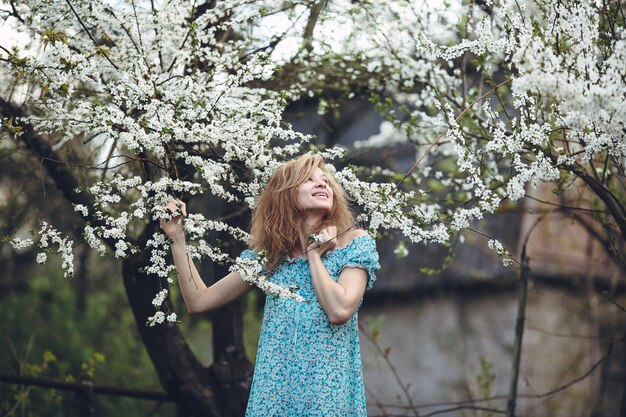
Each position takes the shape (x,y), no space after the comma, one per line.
(511,93)
(181,103)
(252,271)
(49,237)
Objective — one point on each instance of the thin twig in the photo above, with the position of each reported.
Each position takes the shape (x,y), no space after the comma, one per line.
(564,335)
(546,394)
(88,33)
(380,406)
(566,207)
(465,407)
(385,355)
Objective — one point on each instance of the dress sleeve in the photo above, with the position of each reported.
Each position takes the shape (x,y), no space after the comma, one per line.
(362,254)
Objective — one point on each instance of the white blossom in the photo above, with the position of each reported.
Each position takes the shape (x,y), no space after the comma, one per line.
(157,318)
(160,297)
(82,209)
(251,271)
(41,257)
(19,243)
(173,128)
(401,250)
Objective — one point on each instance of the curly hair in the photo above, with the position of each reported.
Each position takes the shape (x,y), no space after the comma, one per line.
(278,218)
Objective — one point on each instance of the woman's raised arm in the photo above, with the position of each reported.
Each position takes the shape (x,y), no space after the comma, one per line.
(340,298)
(198,297)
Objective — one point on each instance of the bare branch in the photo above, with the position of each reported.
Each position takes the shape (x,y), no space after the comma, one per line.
(546,394)
(15,14)
(565,207)
(610,250)
(310,25)
(385,355)
(60,175)
(88,33)
(612,203)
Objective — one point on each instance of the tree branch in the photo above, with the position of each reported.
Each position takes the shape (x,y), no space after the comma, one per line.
(604,242)
(87,31)
(63,178)
(612,203)
(310,25)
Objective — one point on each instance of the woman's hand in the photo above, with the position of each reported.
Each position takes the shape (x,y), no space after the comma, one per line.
(327,241)
(173,228)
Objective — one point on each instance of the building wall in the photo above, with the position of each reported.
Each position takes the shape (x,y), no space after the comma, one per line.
(437,341)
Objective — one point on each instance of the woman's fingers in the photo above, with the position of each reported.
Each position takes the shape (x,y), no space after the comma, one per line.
(328,241)
(171,225)
(176,206)
(330,237)
(175,209)
(182,206)
(330,233)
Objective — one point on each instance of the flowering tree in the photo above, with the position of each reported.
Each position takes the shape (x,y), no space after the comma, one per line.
(185,98)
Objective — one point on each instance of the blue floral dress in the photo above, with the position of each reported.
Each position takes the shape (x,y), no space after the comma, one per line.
(306,366)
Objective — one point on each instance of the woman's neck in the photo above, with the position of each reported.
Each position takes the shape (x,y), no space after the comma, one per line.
(311,224)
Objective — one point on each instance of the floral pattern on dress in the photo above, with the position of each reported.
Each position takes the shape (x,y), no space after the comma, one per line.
(306,366)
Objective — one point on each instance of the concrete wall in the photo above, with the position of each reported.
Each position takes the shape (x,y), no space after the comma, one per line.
(437,341)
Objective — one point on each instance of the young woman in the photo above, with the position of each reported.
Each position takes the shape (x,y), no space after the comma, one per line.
(308,360)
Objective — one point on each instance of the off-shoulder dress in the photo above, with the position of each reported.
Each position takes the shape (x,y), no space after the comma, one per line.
(306,366)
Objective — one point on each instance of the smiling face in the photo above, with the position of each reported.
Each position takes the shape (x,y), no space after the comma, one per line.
(315,194)
(301,197)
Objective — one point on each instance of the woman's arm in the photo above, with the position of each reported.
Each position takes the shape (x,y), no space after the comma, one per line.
(198,297)
(338,299)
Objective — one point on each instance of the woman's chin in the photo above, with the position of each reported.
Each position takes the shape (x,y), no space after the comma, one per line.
(319,209)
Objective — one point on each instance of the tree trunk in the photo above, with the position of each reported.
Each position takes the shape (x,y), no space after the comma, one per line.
(230,363)
(80,279)
(231,367)
(218,390)
(184,378)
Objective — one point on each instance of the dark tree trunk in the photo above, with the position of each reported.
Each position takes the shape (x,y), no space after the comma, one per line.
(183,377)
(80,279)
(218,390)
(230,365)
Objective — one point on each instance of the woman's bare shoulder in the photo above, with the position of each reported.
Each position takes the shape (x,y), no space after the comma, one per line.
(346,238)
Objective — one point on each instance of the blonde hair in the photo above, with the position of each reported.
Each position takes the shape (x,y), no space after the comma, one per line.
(278,218)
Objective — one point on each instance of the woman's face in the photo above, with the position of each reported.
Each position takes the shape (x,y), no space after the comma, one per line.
(315,193)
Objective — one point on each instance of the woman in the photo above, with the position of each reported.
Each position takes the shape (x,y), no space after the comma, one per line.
(308,360)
